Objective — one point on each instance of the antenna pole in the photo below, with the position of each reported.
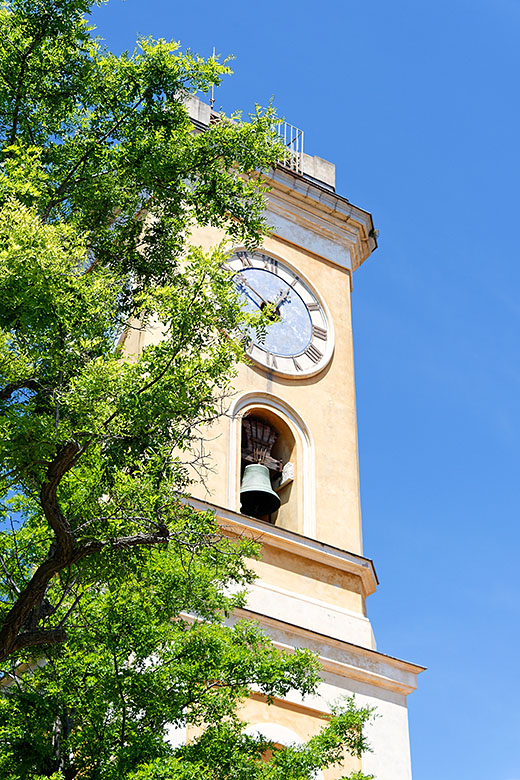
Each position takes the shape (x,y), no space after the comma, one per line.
(212,97)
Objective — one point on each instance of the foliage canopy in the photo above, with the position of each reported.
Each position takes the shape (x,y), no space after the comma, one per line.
(102,561)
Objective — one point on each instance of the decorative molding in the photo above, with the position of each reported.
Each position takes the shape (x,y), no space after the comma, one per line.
(311,600)
(357,663)
(304,234)
(298,545)
(323,213)
(283,604)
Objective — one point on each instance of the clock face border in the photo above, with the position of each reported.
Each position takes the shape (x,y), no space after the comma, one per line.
(318,352)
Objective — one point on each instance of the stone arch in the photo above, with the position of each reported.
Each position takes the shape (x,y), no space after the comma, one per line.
(280,735)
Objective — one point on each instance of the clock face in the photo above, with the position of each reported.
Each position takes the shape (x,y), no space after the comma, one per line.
(298,339)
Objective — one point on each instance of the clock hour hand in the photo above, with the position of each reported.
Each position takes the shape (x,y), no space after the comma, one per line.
(282,298)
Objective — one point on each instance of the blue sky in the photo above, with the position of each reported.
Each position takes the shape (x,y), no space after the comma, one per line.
(417,103)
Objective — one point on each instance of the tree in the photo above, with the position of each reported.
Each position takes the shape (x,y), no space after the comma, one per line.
(102,177)
(99,706)
(91,143)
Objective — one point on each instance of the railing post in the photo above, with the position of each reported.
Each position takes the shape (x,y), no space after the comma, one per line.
(292,138)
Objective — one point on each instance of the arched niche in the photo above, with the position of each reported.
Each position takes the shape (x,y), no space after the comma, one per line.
(280,458)
(293,448)
(279,735)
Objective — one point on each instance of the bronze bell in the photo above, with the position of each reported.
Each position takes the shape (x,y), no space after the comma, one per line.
(256,494)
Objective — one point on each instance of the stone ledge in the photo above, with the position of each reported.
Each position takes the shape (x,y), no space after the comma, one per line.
(295,543)
(343,658)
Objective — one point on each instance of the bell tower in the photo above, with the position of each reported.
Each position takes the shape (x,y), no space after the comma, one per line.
(286,459)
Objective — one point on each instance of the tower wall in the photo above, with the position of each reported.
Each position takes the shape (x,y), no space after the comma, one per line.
(313,581)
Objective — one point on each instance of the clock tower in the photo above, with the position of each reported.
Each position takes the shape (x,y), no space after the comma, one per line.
(294,414)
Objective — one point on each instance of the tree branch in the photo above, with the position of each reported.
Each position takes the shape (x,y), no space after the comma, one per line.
(84,157)
(66,458)
(31,597)
(9,579)
(23,384)
(18,97)
(121,543)
(39,637)
(58,559)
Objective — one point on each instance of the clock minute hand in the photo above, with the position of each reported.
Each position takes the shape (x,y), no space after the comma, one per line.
(253,290)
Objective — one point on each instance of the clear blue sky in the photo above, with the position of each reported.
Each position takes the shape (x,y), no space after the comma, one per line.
(417,103)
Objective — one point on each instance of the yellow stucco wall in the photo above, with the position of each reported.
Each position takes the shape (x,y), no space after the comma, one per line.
(305,722)
(325,402)
(308,577)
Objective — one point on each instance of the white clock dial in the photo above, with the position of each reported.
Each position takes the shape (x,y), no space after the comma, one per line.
(298,341)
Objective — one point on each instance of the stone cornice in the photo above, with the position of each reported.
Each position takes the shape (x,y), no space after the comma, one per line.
(323,212)
(302,546)
(311,200)
(343,658)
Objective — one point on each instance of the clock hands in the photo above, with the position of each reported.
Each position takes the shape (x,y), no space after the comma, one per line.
(246,283)
(285,340)
(282,297)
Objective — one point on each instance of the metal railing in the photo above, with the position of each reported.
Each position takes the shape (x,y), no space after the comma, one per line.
(292,139)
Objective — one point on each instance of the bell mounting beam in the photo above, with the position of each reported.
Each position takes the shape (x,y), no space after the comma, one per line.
(260,438)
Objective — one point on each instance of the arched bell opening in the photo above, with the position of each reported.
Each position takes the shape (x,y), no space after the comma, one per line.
(280,736)
(268,453)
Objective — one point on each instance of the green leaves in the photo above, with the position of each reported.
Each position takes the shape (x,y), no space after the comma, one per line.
(116,595)
(101,177)
(129,668)
(93,139)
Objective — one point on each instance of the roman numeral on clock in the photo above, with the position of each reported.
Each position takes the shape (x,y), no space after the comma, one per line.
(244,259)
(296,365)
(248,344)
(270,264)
(313,353)
(271,360)
(320,333)
(313,306)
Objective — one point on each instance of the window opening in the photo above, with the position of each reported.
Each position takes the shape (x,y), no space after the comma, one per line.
(268,451)
(260,468)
